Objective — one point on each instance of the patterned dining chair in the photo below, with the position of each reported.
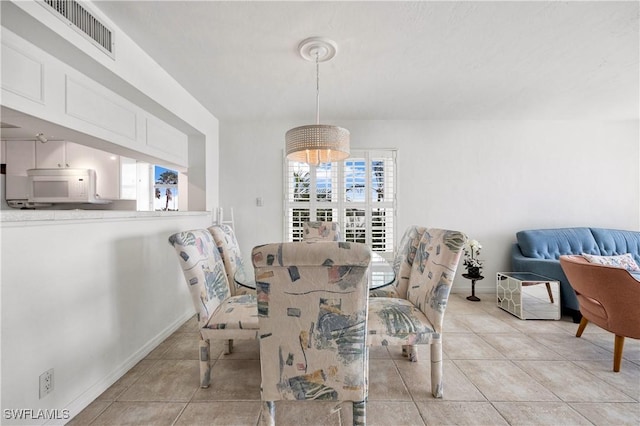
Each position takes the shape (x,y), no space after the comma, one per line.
(402,262)
(220,315)
(417,319)
(312,309)
(229,250)
(321,231)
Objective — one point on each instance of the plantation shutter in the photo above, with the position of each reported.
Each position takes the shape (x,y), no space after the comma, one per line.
(358,193)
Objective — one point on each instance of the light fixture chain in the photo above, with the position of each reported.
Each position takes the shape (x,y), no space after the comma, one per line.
(317,87)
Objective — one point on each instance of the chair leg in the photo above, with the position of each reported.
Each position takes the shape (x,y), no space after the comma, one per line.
(228,346)
(436,369)
(549,292)
(412,353)
(582,326)
(618,345)
(359,413)
(205,367)
(268,413)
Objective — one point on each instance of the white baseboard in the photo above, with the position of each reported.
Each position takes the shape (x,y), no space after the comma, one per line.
(87,397)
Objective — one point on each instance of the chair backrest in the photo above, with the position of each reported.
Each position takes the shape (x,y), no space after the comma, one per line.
(229,250)
(433,270)
(321,231)
(403,260)
(608,296)
(312,310)
(203,270)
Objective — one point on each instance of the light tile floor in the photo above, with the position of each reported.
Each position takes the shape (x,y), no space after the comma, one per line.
(498,370)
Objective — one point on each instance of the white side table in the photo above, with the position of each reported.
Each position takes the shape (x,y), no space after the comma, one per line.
(528,296)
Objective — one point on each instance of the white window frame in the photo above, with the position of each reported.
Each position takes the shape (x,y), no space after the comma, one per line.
(339,203)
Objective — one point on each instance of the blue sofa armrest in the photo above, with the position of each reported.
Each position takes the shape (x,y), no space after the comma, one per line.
(549,268)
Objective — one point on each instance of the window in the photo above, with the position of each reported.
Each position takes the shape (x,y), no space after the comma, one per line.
(165,189)
(358,193)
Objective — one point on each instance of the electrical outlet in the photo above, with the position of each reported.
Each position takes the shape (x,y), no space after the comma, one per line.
(46,383)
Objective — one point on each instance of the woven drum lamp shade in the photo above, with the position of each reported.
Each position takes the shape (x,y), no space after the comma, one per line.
(317,143)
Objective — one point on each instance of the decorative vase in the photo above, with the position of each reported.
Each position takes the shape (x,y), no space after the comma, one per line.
(473,271)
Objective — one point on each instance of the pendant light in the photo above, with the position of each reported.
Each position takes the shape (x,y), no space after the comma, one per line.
(317,143)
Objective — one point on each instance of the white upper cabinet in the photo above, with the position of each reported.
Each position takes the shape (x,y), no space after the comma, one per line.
(20,156)
(106,165)
(24,155)
(50,155)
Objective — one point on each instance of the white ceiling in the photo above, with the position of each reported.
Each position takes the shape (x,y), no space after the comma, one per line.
(397,60)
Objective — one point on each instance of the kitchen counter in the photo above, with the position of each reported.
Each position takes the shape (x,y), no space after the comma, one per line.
(25,217)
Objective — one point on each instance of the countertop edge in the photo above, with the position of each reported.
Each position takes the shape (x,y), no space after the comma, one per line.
(9,217)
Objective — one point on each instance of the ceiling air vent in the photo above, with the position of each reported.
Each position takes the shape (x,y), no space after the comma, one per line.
(84,21)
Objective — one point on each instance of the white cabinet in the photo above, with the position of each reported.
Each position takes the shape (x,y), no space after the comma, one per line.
(20,156)
(50,155)
(24,155)
(106,165)
(61,154)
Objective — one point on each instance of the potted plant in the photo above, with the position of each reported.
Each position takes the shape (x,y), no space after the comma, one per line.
(471,258)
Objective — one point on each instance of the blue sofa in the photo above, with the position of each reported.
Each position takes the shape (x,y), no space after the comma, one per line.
(539,250)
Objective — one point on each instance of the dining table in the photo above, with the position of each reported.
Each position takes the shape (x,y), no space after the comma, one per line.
(381,273)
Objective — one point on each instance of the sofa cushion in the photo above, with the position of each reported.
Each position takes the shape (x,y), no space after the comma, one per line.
(624,261)
(612,242)
(552,243)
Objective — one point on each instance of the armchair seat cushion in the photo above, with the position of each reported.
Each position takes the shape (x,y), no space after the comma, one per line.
(235,313)
(397,322)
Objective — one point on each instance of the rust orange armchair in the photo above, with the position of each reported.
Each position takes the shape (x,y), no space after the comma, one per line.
(608,297)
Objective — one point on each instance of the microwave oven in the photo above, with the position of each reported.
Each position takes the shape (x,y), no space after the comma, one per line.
(63,186)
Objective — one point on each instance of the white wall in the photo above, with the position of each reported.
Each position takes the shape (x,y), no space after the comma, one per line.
(88,299)
(91,298)
(488,179)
